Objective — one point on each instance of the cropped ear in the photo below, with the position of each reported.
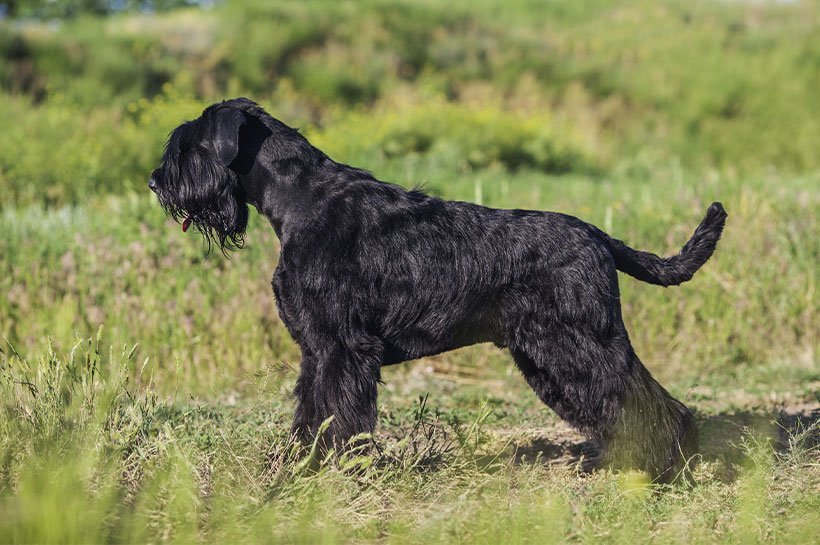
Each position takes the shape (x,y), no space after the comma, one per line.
(225,127)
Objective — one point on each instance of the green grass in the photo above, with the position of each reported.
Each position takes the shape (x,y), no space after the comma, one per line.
(87,457)
(145,385)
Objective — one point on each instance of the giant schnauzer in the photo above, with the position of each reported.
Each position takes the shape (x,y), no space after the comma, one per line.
(371,274)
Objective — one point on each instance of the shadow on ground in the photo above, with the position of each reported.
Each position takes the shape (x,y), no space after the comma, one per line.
(722,435)
(721,439)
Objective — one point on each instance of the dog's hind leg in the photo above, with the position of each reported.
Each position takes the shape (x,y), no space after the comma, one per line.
(598,385)
(653,431)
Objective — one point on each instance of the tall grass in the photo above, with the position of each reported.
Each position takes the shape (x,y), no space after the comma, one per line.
(87,458)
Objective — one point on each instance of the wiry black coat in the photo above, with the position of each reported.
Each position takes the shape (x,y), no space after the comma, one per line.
(371,274)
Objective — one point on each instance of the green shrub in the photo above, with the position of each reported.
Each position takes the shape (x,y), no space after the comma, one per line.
(468,137)
(57,152)
(721,85)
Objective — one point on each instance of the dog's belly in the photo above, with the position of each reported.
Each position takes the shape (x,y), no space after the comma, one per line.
(417,341)
(406,351)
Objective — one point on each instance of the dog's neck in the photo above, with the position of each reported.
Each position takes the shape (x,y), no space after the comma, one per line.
(286,191)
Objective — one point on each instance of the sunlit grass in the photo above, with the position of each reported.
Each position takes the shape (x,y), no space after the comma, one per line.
(87,457)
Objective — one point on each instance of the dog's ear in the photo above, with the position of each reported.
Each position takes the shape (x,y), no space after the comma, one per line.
(225,134)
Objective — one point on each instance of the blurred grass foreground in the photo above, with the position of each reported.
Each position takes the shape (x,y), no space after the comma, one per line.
(145,384)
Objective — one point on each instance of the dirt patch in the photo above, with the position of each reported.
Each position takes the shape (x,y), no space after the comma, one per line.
(558,444)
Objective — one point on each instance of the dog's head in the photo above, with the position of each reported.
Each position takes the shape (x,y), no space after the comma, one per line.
(198,179)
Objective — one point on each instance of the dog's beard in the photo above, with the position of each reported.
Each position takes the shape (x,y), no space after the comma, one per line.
(199,191)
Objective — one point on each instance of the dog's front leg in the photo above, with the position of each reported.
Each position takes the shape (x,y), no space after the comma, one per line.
(305,415)
(345,388)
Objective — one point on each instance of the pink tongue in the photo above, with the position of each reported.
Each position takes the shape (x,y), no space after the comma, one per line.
(185,224)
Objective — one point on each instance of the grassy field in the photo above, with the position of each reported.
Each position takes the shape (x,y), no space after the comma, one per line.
(145,383)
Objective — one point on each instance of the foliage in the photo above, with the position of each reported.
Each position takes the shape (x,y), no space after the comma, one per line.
(712,85)
(111,151)
(464,137)
(70,8)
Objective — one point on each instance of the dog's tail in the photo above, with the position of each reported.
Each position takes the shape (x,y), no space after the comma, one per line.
(671,271)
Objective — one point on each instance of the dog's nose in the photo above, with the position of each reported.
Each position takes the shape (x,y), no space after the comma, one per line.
(152,183)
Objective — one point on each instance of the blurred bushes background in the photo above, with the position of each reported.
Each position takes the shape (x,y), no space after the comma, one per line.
(603,87)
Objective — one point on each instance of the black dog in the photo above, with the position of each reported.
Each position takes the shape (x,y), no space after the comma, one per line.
(371,274)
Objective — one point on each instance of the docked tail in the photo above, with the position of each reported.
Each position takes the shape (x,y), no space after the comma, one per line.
(671,271)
